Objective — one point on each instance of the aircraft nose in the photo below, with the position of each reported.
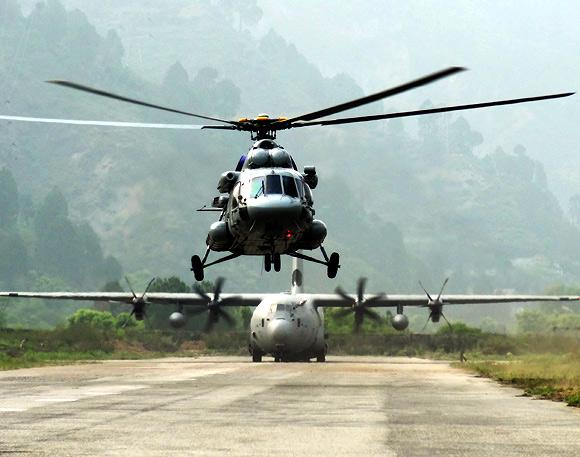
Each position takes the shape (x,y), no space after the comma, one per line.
(279,330)
(277,206)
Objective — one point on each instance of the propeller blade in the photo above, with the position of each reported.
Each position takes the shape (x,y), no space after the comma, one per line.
(450,327)
(201,293)
(128,319)
(360,289)
(208,324)
(102,93)
(374,97)
(217,290)
(343,312)
(147,288)
(340,291)
(442,289)
(445,109)
(198,310)
(428,319)
(358,321)
(425,290)
(373,315)
(115,124)
(370,301)
(227,318)
(130,287)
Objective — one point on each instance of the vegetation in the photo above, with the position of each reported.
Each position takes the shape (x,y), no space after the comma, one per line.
(550,376)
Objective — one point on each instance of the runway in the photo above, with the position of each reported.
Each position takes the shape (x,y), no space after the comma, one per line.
(222,406)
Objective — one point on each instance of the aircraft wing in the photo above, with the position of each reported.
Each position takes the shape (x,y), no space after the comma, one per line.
(386,301)
(163,298)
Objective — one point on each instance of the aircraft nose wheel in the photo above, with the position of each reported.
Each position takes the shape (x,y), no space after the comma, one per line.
(333,265)
(268,262)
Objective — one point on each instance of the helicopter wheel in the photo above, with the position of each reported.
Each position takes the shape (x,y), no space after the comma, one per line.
(197,268)
(268,262)
(277,263)
(333,264)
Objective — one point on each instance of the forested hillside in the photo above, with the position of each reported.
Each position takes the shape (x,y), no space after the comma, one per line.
(403,200)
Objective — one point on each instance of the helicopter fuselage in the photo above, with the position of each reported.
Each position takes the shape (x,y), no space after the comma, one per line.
(268,209)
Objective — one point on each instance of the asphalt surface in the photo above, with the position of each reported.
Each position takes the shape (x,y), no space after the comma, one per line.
(221,406)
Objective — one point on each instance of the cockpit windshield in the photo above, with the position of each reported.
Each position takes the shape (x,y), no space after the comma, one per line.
(257,188)
(275,185)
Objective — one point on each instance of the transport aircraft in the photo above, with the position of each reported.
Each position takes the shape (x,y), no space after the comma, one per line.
(288,326)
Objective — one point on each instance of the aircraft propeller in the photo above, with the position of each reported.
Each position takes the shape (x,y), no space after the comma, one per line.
(214,305)
(359,305)
(139,303)
(435,305)
(265,127)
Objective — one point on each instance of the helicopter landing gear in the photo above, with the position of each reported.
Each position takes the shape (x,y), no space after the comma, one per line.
(270,259)
(198,265)
(332,263)
(197,268)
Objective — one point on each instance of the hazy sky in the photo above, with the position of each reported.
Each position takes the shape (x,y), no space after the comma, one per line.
(512,48)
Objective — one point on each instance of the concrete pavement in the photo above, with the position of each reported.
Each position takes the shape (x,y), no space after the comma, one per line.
(221,406)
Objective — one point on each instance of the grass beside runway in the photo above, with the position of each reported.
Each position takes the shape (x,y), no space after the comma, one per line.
(548,376)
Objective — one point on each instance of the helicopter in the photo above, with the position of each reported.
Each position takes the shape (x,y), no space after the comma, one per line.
(265,204)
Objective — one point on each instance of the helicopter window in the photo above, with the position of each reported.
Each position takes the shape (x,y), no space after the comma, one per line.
(273,184)
(283,308)
(257,187)
(290,186)
(300,187)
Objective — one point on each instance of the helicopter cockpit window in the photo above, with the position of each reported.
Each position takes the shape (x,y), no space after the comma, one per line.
(257,188)
(273,184)
(300,187)
(289,186)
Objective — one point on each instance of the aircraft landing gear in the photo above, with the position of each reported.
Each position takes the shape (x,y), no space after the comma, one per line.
(331,263)
(198,265)
(256,356)
(270,259)
(197,268)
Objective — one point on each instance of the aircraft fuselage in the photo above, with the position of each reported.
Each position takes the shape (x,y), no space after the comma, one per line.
(288,327)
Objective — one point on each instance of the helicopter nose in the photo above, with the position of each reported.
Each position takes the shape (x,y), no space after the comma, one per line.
(280,331)
(274,206)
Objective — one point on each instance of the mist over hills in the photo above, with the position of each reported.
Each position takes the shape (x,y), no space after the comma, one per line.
(403,200)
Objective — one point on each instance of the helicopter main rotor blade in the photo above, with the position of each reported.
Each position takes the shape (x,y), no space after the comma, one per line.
(377,117)
(375,97)
(116,124)
(102,93)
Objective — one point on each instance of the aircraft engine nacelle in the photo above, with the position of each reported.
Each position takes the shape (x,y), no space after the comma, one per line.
(227,181)
(177,320)
(219,237)
(314,236)
(310,177)
(400,322)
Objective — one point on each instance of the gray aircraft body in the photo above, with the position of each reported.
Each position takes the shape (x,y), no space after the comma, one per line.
(288,326)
